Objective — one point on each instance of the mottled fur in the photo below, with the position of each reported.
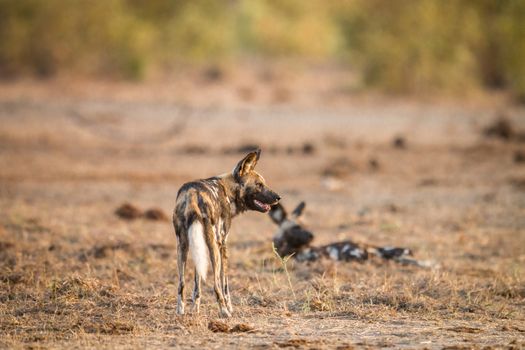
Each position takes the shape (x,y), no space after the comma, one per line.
(293,239)
(213,203)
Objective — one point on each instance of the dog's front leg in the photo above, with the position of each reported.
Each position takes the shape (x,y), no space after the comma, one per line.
(224,276)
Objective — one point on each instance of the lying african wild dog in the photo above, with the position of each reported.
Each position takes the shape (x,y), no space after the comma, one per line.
(292,238)
(202,219)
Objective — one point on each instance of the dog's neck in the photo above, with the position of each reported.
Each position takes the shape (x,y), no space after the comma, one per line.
(233,196)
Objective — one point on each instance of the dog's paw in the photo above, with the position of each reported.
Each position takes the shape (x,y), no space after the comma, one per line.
(180,310)
(195,308)
(224,313)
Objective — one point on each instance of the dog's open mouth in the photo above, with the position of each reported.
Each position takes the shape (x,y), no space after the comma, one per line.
(261,205)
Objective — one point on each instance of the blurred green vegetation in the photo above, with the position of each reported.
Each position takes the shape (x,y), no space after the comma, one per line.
(406,45)
(400,46)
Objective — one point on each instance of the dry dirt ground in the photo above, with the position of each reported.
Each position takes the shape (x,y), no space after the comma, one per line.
(74,275)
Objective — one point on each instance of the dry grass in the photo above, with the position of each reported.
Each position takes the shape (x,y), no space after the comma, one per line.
(73,274)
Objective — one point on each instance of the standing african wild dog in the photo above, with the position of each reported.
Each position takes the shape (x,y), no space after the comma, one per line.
(202,219)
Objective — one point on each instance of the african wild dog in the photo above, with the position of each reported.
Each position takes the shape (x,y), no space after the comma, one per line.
(202,219)
(293,238)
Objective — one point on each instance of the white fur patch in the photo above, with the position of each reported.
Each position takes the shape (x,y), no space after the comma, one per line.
(278,215)
(198,248)
(334,254)
(214,191)
(218,231)
(357,253)
(283,227)
(287,224)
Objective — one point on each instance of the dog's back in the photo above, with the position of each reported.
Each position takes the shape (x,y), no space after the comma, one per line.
(200,204)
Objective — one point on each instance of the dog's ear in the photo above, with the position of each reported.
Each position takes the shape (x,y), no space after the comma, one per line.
(247,164)
(298,211)
(277,213)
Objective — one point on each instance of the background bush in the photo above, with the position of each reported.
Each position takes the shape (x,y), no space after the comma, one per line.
(399,46)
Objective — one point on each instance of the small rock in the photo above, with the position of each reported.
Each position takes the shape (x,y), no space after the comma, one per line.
(155,214)
(399,142)
(128,211)
(308,148)
(373,164)
(519,157)
(501,128)
(241,328)
(213,74)
(218,327)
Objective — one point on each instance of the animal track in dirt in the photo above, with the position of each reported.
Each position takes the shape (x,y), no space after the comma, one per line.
(517,182)
(101,251)
(463,329)
(339,168)
(296,343)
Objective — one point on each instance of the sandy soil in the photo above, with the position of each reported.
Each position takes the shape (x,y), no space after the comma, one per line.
(73,274)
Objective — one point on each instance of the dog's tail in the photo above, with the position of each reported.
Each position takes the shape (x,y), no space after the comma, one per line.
(198,248)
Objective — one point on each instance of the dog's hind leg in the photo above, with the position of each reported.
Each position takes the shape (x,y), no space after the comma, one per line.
(215,257)
(224,276)
(196,293)
(182,257)
(198,248)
